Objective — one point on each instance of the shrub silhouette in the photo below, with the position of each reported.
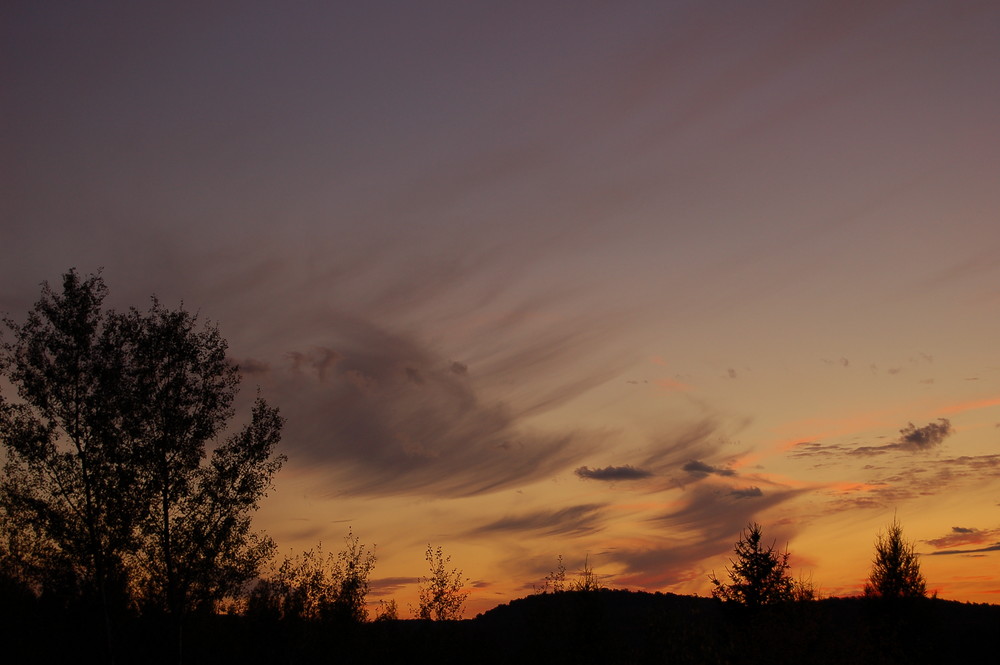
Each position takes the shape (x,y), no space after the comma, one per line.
(387,610)
(759,574)
(586,580)
(895,572)
(314,586)
(555,581)
(440,595)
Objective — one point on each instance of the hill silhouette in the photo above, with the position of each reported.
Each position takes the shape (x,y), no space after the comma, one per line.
(606,626)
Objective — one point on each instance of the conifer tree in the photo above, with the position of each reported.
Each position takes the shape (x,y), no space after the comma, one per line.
(759,574)
(895,571)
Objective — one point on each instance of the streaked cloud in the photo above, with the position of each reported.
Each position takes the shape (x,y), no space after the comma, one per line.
(384,413)
(992,548)
(960,536)
(701,469)
(747,493)
(912,439)
(613,473)
(705,526)
(572,520)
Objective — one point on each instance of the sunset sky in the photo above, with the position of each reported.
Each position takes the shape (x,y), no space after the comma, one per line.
(540,278)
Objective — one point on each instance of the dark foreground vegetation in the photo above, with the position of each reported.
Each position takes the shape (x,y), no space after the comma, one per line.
(570,627)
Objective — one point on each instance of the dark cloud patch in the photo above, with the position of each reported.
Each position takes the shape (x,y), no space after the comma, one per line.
(748,493)
(573,520)
(963,537)
(613,473)
(252,366)
(731,373)
(992,548)
(701,469)
(387,586)
(385,414)
(319,360)
(928,436)
(911,439)
(458,368)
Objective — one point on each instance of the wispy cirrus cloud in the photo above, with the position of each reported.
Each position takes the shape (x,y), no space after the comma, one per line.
(573,520)
(705,526)
(385,413)
(911,439)
(676,455)
(992,548)
(890,486)
(963,536)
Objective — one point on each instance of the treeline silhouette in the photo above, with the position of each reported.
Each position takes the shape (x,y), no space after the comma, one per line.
(601,626)
(126,536)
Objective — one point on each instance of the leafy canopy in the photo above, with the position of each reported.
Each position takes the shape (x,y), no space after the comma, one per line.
(108,491)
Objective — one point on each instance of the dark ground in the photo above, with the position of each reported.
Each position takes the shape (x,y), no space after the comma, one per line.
(571,627)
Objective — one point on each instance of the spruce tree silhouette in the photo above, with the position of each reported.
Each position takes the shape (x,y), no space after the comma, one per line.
(759,574)
(895,571)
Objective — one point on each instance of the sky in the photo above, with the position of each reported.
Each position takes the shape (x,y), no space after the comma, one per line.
(599,280)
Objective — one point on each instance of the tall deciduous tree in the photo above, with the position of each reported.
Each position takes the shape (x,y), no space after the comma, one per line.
(106,451)
(67,471)
(895,571)
(759,574)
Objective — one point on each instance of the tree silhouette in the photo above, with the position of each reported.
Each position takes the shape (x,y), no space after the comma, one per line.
(895,571)
(759,574)
(586,580)
(555,581)
(66,485)
(314,586)
(440,596)
(196,543)
(105,451)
